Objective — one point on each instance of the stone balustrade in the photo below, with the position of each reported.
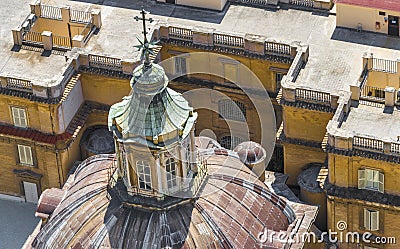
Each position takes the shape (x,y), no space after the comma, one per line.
(26,34)
(209,37)
(308,4)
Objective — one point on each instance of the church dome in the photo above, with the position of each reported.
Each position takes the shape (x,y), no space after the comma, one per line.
(230,212)
(149,79)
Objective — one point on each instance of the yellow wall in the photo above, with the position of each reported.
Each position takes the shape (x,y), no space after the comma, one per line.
(296,157)
(351,212)
(38,115)
(343,171)
(305,124)
(102,89)
(57,27)
(383,79)
(350,16)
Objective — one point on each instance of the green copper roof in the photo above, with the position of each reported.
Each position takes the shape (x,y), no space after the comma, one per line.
(152,110)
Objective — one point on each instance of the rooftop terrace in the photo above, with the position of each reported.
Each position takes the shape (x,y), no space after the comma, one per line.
(334,54)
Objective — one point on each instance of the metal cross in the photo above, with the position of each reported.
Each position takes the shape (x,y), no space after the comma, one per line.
(143,18)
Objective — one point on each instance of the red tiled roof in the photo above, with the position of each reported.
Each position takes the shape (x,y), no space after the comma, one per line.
(76,124)
(376,4)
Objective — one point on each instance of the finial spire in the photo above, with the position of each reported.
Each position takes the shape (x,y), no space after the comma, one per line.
(145,46)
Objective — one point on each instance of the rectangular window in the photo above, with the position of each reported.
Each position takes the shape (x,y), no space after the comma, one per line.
(180,65)
(19,117)
(371,179)
(25,155)
(382,13)
(144,173)
(371,219)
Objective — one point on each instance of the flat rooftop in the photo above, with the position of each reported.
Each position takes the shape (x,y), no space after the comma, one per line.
(335,54)
(363,121)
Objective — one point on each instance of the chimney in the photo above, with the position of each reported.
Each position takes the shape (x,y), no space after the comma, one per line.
(390,96)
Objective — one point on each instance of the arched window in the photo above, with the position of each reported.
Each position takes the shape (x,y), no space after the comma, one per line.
(230,142)
(144,174)
(170,166)
(232,109)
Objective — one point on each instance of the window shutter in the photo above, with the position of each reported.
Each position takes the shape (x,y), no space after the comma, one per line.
(381,182)
(374,220)
(361,179)
(28,154)
(15,114)
(366,219)
(21,153)
(22,117)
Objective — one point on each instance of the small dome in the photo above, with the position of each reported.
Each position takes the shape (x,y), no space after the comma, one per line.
(98,140)
(149,79)
(250,152)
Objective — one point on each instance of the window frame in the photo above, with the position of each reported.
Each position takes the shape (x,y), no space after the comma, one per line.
(371,179)
(371,217)
(171,172)
(17,109)
(179,61)
(22,149)
(227,111)
(144,178)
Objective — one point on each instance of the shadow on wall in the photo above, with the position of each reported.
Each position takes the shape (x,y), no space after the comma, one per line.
(167,10)
(366,38)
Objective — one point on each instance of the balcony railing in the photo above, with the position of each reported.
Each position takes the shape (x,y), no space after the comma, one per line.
(229,40)
(314,96)
(277,48)
(80,16)
(395,148)
(368,143)
(373,93)
(180,33)
(33,37)
(18,84)
(383,65)
(50,12)
(61,41)
(104,62)
(305,3)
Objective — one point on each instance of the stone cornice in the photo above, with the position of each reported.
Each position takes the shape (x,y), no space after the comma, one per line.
(282,138)
(365,154)
(29,96)
(229,50)
(309,106)
(211,84)
(362,194)
(106,72)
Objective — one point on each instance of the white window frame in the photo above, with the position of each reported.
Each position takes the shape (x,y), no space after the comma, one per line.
(371,179)
(25,155)
(171,171)
(180,65)
(232,110)
(371,219)
(19,116)
(144,174)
